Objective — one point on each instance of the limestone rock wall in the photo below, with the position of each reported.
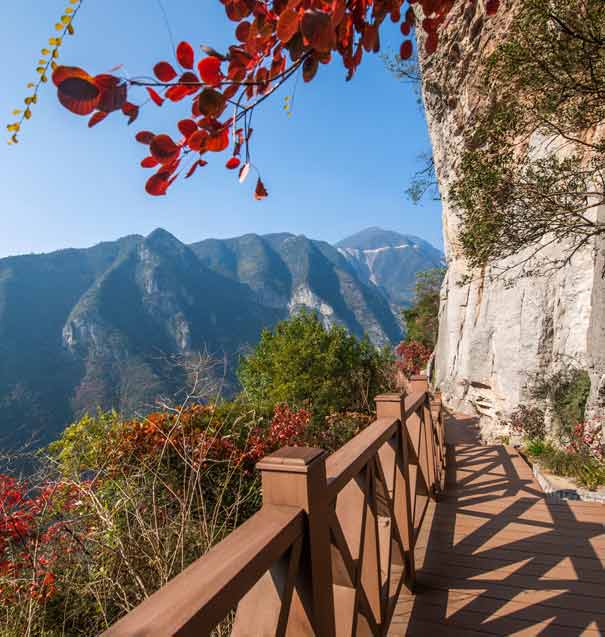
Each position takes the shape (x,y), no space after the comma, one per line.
(493,335)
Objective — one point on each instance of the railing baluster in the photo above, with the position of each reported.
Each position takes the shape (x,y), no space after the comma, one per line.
(393,406)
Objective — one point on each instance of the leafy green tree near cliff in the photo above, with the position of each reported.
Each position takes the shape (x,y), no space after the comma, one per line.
(532,171)
(422,319)
(301,362)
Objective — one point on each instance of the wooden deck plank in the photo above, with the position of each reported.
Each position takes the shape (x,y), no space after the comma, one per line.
(495,557)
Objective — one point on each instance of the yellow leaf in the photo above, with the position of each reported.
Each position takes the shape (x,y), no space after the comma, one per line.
(65,19)
(42,61)
(30,85)
(17,111)
(14,139)
(53,65)
(45,51)
(74,1)
(44,79)
(27,113)
(56,53)
(53,41)
(28,100)
(40,69)
(70,29)
(35,97)
(69,10)
(13,128)
(59,26)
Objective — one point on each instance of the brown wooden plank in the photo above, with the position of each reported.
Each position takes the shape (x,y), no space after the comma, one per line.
(497,558)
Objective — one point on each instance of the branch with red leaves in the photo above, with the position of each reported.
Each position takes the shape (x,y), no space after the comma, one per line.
(268,32)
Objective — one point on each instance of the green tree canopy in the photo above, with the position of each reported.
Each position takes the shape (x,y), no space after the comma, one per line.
(303,362)
(422,319)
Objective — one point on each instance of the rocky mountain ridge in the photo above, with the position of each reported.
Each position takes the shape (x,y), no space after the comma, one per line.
(105,325)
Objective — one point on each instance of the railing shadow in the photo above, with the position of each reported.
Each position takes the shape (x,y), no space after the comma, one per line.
(502,560)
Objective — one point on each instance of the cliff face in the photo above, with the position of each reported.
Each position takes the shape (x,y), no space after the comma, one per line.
(495,336)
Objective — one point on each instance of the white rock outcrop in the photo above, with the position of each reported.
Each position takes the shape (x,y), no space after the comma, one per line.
(493,335)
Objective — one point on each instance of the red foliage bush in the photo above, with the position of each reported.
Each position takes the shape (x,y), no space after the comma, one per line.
(412,357)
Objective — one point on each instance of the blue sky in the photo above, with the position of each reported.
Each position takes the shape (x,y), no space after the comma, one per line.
(340,163)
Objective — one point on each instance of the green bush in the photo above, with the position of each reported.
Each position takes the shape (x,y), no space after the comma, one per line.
(588,471)
(303,363)
(567,393)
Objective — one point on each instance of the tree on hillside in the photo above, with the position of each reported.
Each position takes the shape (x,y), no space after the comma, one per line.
(422,319)
(275,40)
(532,172)
(303,363)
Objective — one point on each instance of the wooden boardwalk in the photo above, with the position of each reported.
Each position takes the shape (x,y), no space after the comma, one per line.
(498,558)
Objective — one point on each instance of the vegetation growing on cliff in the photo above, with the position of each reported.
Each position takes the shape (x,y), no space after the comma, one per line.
(422,319)
(532,172)
(572,445)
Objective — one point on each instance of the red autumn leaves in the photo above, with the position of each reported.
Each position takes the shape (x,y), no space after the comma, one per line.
(274,39)
(82,94)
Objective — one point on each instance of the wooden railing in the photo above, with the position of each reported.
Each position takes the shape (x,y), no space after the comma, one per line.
(330,548)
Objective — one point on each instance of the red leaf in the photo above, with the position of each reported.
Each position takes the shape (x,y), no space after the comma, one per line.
(317,29)
(310,68)
(185,55)
(197,141)
(113,92)
(164,71)
(154,96)
(211,103)
(158,184)
(210,70)
(260,192)
(232,163)
(406,28)
(176,93)
(288,25)
(230,91)
(187,127)
(192,169)
(406,50)
(79,95)
(243,31)
(131,111)
(144,137)
(149,162)
(62,73)
(190,82)
(218,141)
(163,149)
(431,43)
(236,10)
(492,6)
(99,116)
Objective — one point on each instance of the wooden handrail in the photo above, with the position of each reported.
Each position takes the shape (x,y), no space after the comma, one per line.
(197,599)
(332,545)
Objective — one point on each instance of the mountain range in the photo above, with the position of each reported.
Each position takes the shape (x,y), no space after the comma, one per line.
(103,326)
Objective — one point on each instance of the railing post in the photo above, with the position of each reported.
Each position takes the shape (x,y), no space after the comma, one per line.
(420,382)
(296,476)
(393,406)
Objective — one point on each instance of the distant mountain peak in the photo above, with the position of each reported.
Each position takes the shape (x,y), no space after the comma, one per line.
(374,238)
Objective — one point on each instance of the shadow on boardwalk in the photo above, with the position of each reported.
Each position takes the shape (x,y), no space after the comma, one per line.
(499,559)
